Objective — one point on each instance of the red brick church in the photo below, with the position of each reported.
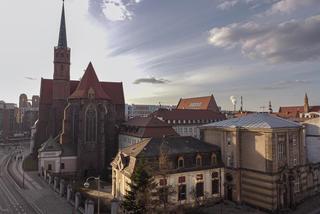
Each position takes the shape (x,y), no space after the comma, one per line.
(84,115)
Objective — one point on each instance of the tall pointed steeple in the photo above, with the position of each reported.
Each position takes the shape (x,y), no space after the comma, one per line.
(62,43)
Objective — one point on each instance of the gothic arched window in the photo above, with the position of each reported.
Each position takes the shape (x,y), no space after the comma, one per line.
(91,124)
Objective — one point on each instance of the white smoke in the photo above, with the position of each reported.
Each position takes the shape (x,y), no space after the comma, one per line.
(234,102)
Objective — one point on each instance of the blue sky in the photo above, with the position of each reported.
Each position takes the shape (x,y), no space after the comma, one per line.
(163,50)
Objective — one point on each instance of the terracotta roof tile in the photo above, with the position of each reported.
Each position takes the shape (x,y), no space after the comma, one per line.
(113,89)
(199,103)
(89,81)
(145,127)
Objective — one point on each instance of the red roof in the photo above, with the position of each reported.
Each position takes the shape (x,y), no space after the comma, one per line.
(113,89)
(294,111)
(146,122)
(88,82)
(145,127)
(188,114)
(199,103)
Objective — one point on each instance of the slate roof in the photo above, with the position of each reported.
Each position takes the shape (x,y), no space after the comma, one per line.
(256,120)
(87,82)
(52,144)
(175,145)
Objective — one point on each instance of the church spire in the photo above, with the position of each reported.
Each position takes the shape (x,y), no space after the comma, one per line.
(62,33)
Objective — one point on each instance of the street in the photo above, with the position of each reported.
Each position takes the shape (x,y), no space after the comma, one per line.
(24,192)
(11,197)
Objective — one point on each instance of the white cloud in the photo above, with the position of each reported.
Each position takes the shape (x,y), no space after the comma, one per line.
(225,5)
(288,41)
(117,10)
(288,6)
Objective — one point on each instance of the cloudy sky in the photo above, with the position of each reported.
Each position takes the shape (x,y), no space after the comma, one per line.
(163,50)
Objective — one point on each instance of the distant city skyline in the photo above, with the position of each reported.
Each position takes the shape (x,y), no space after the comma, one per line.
(164,50)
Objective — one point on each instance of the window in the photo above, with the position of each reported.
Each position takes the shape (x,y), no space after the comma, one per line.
(199,189)
(198,161)
(215,183)
(229,140)
(49,167)
(295,161)
(182,189)
(163,182)
(215,186)
(281,148)
(199,177)
(229,161)
(91,124)
(213,159)
(181,179)
(180,162)
(297,186)
(62,166)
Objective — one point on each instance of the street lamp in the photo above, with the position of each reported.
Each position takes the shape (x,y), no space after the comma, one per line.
(87,185)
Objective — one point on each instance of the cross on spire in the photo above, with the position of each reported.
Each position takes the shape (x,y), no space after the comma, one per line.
(62,43)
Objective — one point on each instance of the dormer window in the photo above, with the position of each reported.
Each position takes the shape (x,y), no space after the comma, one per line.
(180,162)
(213,159)
(198,160)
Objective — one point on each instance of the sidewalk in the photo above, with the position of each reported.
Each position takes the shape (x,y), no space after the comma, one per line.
(39,192)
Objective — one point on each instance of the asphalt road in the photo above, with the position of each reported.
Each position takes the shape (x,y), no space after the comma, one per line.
(11,197)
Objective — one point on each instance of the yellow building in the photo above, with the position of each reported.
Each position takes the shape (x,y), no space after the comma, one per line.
(265,160)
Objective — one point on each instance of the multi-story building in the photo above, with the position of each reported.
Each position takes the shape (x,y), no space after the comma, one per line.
(193,168)
(265,160)
(190,114)
(140,128)
(8,123)
(28,113)
(143,110)
(186,121)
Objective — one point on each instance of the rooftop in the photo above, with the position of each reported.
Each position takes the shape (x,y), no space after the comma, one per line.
(175,146)
(255,120)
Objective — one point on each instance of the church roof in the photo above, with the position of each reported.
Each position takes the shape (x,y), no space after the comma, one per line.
(113,89)
(88,82)
(256,120)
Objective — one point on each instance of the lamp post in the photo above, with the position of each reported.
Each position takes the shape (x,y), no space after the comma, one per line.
(87,184)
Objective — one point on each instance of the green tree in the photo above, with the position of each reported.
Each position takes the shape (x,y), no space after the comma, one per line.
(139,197)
